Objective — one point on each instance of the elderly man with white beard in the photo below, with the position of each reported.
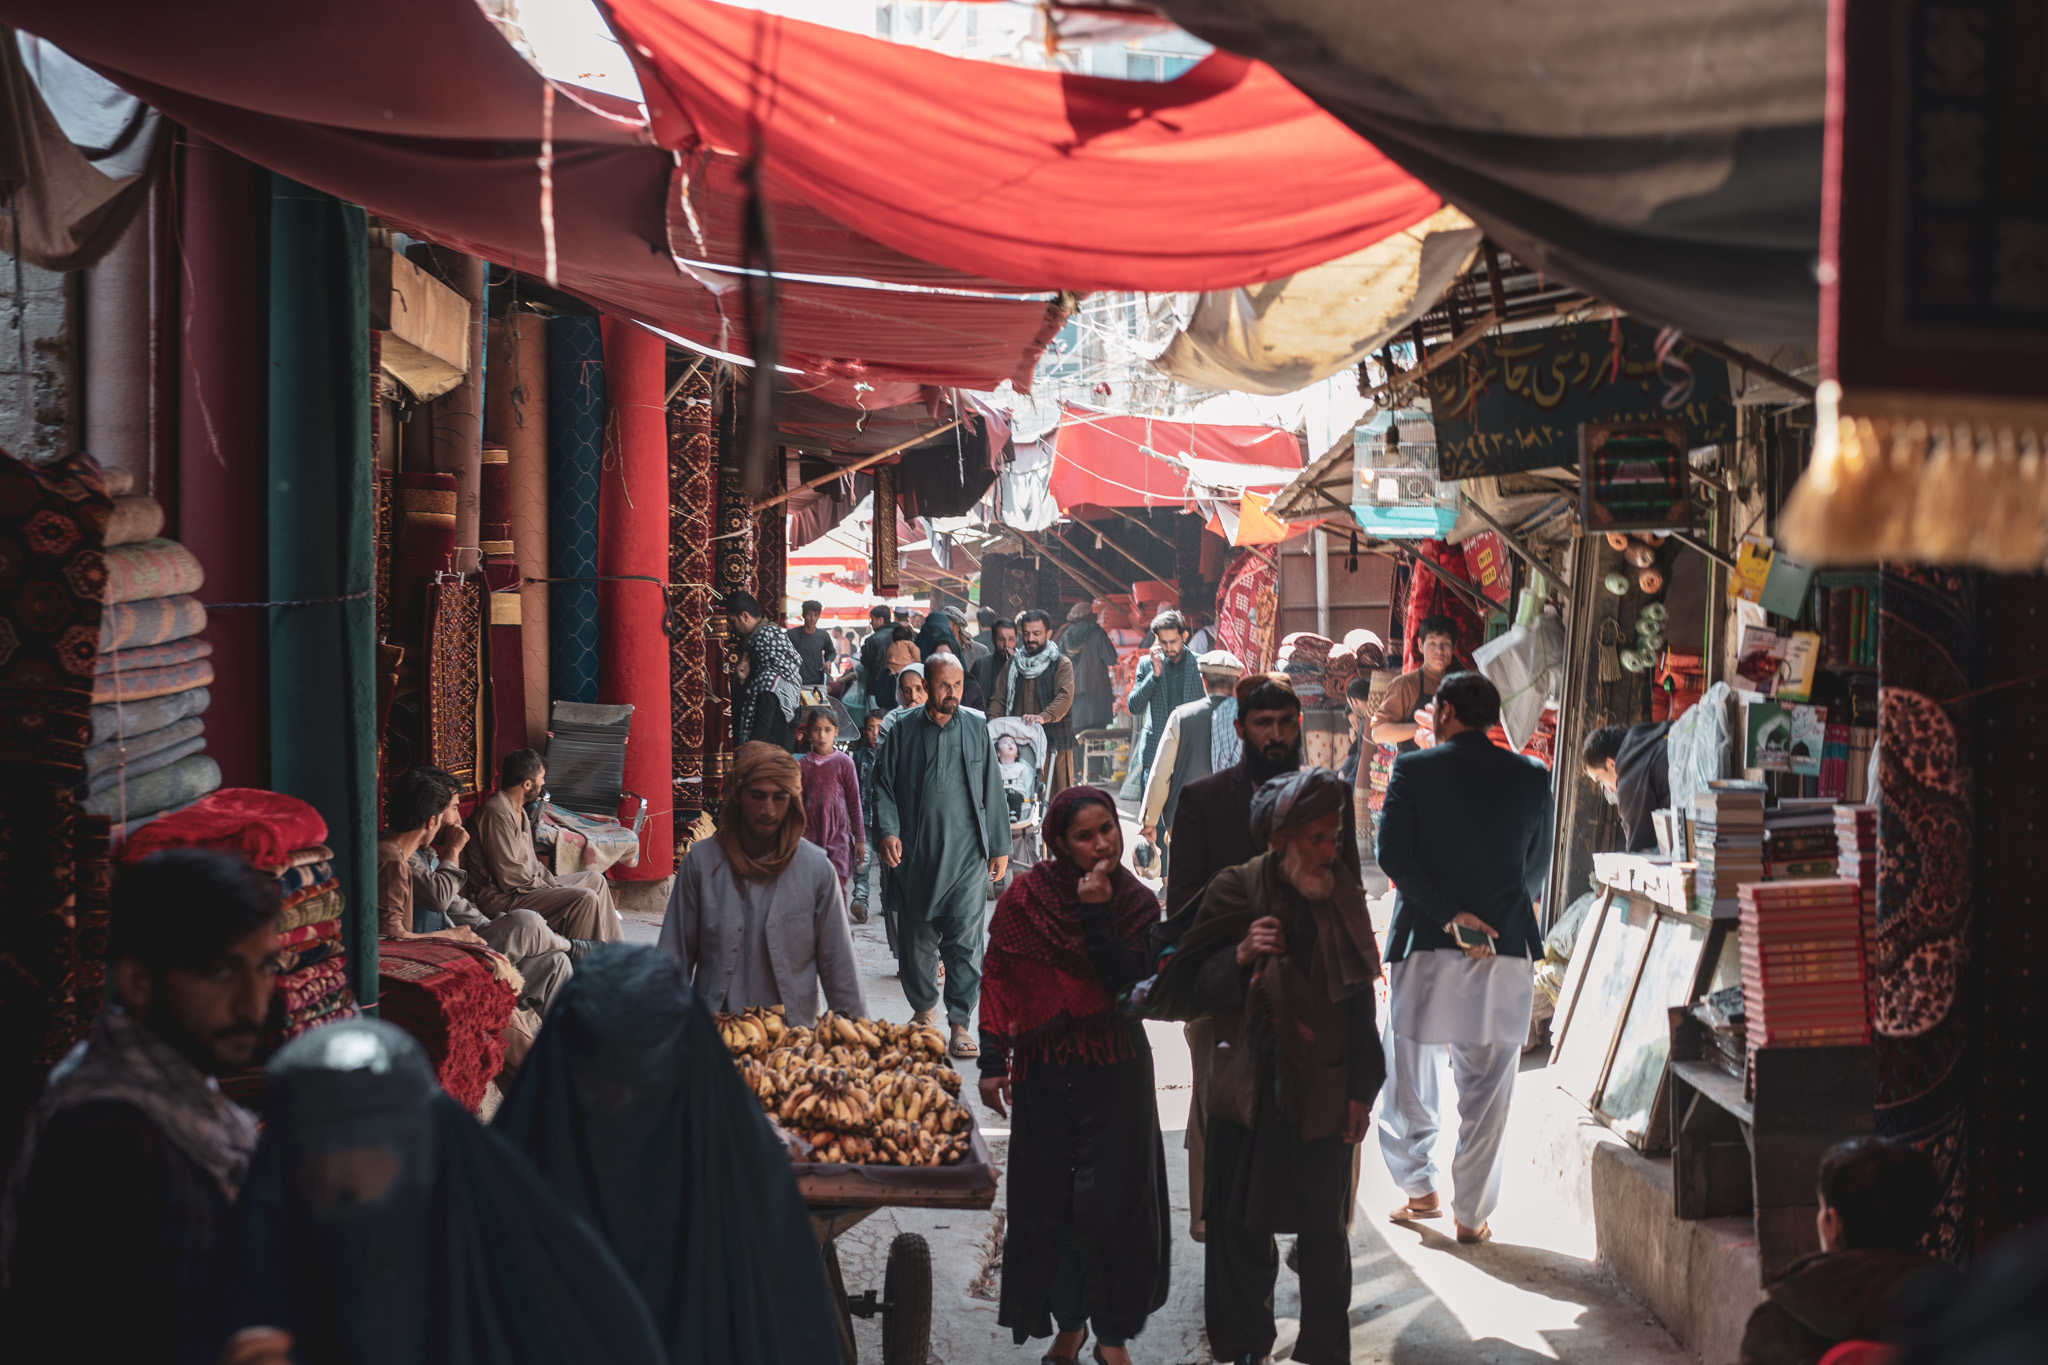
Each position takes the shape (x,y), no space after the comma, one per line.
(1286,969)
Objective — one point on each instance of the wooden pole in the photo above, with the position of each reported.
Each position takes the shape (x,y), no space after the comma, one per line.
(1437,358)
(862,463)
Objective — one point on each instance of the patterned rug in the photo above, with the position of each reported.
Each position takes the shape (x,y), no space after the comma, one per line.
(153,621)
(576,421)
(453,679)
(449,999)
(52,521)
(693,494)
(54,878)
(151,568)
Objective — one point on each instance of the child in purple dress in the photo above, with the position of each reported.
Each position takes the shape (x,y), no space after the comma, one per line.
(832,814)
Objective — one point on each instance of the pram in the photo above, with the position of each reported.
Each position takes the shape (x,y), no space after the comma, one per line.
(1027,818)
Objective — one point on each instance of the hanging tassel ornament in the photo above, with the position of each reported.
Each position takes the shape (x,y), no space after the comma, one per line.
(1610,650)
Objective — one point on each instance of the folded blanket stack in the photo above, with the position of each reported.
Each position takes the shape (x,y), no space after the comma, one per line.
(1304,657)
(450,998)
(148,743)
(284,838)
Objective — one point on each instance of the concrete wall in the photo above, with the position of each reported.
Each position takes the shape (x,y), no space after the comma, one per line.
(39,410)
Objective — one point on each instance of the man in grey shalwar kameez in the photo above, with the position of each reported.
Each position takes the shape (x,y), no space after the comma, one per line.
(945,831)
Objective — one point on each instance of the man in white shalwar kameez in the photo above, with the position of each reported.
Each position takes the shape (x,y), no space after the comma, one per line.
(1466,836)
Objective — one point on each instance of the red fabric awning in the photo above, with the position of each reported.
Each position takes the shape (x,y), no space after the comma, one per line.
(1224,177)
(1111,460)
(420,111)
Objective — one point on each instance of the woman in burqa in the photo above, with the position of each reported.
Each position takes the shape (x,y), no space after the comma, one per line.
(1086,1243)
(631,1110)
(383,1225)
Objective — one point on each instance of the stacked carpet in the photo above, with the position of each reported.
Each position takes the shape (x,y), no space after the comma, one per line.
(150,679)
(449,998)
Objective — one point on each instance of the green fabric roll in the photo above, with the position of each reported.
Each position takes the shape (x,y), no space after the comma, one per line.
(323,744)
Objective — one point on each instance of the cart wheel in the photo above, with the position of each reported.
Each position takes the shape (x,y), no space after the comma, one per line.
(837,1282)
(907,1294)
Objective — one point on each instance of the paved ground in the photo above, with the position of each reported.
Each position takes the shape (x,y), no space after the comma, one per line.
(1418,1298)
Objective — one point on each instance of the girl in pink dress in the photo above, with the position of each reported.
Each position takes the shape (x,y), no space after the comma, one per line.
(832,816)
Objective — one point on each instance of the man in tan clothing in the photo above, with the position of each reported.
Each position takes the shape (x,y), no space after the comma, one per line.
(506,875)
(1037,684)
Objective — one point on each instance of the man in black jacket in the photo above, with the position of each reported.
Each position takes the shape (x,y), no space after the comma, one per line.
(874,670)
(1632,767)
(1466,836)
(133,1155)
(1212,830)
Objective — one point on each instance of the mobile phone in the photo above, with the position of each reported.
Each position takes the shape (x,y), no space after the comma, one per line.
(1469,937)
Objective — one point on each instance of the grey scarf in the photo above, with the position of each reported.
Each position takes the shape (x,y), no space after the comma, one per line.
(1028,665)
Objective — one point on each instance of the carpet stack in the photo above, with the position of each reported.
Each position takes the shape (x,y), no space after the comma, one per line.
(146,752)
(452,1000)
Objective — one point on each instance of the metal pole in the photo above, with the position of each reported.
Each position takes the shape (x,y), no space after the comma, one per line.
(1322,583)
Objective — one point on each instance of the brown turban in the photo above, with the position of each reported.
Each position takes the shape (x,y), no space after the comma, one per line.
(753,858)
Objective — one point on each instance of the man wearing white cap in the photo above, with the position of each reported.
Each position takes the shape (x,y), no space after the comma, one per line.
(1199,740)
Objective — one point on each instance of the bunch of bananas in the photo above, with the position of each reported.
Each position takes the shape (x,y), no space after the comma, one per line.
(864,1091)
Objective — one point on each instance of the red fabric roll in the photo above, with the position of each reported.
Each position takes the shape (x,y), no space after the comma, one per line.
(632,538)
(504,650)
(220,511)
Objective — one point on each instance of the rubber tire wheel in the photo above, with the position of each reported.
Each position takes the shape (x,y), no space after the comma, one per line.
(837,1282)
(907,1290)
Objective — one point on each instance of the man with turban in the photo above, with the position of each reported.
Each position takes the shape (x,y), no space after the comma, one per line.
(1466,835)
(755,916)
(1283,960)
(945,832)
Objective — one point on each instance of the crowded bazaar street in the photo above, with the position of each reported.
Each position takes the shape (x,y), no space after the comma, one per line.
(1023,682)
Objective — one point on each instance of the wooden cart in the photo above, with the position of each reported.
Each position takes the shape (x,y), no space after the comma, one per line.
(839,1197)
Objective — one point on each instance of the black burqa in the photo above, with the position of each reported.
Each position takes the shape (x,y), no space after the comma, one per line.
(631,1109)
(382,1225)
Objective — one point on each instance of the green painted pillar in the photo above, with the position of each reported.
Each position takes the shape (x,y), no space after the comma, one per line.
(323,743)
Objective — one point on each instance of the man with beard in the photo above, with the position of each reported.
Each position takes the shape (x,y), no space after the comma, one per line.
(768,676)
(1094,654)
(1466,835)
(1211,828)
(1284,960)
(1037,685)
(1002,640)
(133,1156)
(1167,678)
(1199,740)
(945,833)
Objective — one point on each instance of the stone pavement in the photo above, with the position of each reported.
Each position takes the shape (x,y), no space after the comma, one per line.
(1533,1294)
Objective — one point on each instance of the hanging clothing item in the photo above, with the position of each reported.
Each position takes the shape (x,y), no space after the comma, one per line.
(631,1111)
(445,1247)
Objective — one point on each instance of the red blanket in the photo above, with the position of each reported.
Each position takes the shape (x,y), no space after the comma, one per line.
(448,998)
(265,827)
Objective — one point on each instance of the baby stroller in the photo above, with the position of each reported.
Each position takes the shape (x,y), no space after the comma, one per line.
(1027,808)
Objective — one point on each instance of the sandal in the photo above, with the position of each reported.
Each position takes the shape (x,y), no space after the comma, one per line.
(963,1044)
(1472,1237)
(1075,1359)
(1409,1212)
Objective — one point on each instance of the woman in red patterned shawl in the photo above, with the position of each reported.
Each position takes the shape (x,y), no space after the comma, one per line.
(1086,1241)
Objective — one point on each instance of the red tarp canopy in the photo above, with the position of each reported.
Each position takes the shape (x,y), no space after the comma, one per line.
(1224,177)
(1110,460)
(420,111)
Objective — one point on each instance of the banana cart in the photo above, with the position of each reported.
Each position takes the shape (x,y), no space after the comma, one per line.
(840,1196)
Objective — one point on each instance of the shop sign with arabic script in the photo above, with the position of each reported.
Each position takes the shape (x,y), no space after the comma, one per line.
(1514,403)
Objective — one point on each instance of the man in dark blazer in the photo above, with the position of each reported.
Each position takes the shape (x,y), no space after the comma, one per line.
(1466,835)
(1212,830)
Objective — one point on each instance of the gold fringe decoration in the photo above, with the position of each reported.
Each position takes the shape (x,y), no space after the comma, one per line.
(1935,493)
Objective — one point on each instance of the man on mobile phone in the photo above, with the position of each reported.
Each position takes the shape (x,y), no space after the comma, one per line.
(1466,836)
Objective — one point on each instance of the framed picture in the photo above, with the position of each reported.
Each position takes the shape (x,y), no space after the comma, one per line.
(1633,477)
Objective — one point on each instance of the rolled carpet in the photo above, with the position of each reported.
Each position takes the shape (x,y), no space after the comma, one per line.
(447,998)
(152,621)
(292,900)
(104,758)
(138,766)
(306,935)
(304,986)
(146,683)
(186,780)
(319,950)
(141,717)
(324,906)
(301,857)
(299,878)
(153,656)
(137,517)
(340,1005)
(151,568)
(576,423)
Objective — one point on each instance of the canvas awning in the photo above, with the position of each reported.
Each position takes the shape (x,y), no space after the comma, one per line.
(1114,460)
(1226,175)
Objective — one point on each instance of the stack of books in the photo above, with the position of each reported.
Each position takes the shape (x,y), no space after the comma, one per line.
(1728,844)
(1804,981)
(1800,841)
(1856,861)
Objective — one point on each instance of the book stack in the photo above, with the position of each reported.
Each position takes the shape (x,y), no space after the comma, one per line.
(1728,839)
(1804,983)
(1800,841)
(1856,838)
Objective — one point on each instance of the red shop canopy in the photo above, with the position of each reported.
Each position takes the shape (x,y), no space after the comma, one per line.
(1223,177)
(1111,460)
(420,111)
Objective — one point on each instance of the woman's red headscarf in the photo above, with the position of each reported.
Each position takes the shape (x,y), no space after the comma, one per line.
(1041,997)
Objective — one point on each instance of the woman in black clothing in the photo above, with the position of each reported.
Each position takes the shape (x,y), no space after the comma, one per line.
(1086,1241)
